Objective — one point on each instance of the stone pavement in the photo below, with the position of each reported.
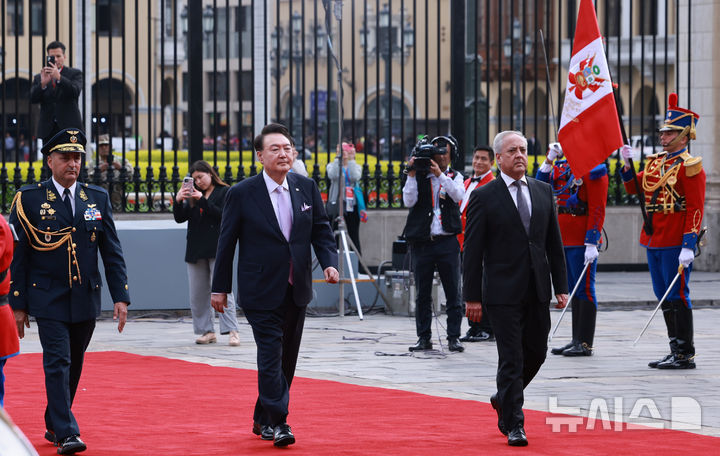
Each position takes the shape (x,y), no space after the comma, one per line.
(373,352)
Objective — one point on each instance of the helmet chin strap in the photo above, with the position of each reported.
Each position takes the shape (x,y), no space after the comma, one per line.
(678,138)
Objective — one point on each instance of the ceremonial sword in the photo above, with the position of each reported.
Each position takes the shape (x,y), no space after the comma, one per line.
(667,292)
(582,275)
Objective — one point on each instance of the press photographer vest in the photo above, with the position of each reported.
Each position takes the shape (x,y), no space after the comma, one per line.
(417,227)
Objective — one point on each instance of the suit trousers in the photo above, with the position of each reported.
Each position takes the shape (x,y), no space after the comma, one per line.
(521,331)
(444,253)
(277,333)
(200,282)
(64,346)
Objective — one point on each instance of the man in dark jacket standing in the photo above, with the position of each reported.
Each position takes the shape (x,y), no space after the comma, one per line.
(57,89)
(513,251)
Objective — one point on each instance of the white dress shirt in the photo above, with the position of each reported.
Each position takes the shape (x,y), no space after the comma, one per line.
(453,187)
(271,187)
(469,190)
(513,190)
(61,190)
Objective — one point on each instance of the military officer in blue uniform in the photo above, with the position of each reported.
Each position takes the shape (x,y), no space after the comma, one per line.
(61,226)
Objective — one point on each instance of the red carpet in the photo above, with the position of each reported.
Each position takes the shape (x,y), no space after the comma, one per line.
(140,405)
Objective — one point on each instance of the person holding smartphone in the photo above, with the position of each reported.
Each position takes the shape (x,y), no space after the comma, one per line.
(200,202)
(344,179)
(56,89)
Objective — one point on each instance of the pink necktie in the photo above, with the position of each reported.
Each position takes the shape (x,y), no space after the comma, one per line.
(284,219)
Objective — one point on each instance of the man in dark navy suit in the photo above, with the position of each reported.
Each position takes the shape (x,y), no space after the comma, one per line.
(513,253)
(273,218)
(61,226)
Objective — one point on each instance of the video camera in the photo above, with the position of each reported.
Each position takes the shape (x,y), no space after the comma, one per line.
(426,148)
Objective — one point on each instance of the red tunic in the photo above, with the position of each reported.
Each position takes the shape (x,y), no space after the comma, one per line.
(463,210)
(9,343)
(677,209)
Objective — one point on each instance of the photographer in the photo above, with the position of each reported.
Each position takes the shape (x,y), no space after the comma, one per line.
(344,178)
(56,88)
(432,192)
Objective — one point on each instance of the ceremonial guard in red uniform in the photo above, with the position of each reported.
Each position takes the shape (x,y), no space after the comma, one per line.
(482,163)
(581,213)
(673,186)
(9,342)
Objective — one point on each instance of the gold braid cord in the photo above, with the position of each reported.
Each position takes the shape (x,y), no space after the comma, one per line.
(58,238)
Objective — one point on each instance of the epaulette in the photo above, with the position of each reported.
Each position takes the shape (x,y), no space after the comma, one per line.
(598,171)
(97,188)
(29,187)
(693,165)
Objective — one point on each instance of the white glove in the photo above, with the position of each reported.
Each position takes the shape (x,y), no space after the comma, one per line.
(554,151)
(591,253)
(626,152)
(686,257)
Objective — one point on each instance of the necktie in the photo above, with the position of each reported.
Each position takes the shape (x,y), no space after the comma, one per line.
(284,219)
(522,207)
(67,203)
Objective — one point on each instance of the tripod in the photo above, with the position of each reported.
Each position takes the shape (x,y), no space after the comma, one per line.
(345,243)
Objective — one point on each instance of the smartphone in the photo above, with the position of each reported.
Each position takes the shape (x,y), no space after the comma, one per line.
(188,183)
(347,147)
(49,59)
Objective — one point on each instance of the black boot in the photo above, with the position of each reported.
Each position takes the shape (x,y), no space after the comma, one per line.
(685,355)
(575,310)
(421,345)
(669,316)
(586,332)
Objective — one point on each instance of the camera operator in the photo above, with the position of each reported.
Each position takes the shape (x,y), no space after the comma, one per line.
(56,88)
(432,192)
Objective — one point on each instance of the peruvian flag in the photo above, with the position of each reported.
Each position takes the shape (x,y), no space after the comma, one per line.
(589,127)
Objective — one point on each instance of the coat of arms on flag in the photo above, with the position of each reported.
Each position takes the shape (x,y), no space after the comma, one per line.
(589,128)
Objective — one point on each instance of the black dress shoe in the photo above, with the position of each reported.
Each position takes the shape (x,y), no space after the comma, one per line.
(283,435)
(517,436)
(578,350)
(71,445)
(655,363)
(496,406)
(422,344)
(559,350)
(265,431)
(50,436)
(454,345)
(678,361)
(482,336)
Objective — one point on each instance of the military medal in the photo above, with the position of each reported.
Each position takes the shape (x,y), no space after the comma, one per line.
(51,211)
(578,182)
(48,237)
(92,237)
(42,211)
(50,195)
(83,196)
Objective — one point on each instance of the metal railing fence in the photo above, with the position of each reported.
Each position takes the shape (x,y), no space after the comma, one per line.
(271,60)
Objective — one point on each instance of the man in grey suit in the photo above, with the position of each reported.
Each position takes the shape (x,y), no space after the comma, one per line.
(273,218)
(513,251)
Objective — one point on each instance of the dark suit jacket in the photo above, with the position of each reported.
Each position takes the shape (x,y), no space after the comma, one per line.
(264,255)
(498,250)
(203,220)
(58,104)
(40,278)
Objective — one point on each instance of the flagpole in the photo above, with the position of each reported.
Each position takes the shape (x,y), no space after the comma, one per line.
(647,224)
